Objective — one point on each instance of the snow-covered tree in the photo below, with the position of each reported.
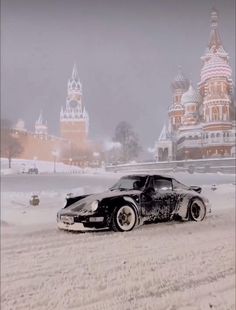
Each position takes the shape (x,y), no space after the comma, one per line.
(125,135)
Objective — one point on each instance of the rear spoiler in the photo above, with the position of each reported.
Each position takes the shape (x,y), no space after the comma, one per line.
(197,189)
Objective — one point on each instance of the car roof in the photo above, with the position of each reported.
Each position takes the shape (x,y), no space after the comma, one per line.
(148,175)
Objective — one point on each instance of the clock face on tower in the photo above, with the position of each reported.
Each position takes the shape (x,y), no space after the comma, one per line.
(73,104)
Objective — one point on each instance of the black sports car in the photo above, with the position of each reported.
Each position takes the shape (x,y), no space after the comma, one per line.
(132,201)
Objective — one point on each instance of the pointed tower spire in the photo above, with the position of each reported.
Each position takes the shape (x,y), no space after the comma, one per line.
(190,85)
(214,34)
(163,135)
(40,127)
(74,84)
(40,119)
(75,75)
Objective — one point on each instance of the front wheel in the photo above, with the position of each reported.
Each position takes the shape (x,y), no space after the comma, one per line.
(123,219)
(197,210)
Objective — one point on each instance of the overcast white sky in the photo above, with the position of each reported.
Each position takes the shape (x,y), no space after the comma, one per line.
(127,52)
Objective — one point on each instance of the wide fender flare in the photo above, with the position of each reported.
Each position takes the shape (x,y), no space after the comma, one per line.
(184,205)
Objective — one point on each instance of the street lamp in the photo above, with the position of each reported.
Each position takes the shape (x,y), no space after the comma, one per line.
(55,154)
(35,161)
(70,160)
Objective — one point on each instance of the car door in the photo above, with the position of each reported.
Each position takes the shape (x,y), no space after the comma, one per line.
(161,202)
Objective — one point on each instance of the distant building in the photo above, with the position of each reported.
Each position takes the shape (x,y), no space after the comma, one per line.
(73,145)
(41,128)
(201,122)
(74,120)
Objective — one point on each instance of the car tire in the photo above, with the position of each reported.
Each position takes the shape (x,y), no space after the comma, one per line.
(197,210)
(124,218)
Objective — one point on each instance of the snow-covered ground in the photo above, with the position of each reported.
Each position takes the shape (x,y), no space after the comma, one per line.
(23,165)
(171,266)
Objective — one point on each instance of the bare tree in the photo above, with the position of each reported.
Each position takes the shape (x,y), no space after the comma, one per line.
(10,146)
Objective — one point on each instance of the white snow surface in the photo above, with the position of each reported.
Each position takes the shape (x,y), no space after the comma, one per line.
(20,165)
(173,266)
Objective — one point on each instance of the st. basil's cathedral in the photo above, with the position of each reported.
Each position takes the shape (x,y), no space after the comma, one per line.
(201,123)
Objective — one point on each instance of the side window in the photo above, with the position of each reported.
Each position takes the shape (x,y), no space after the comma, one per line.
(178,185)
(162,184)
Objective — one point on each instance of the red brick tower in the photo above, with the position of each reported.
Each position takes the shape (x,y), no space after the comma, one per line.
(74,119)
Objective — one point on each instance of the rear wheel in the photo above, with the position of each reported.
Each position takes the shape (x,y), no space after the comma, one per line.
(197,210)
(124,218)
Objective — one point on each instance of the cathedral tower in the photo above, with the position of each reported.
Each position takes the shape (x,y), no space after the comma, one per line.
(201,122)
(216,89)
(176,110)
(73,117)
(191,101)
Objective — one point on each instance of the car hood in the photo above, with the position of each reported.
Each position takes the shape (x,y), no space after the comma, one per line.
(83,203)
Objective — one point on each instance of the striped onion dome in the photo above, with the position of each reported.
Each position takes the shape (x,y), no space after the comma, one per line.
(216,66)
(191,96)
(180,81)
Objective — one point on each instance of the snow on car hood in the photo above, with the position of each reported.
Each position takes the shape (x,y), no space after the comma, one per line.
(79,205)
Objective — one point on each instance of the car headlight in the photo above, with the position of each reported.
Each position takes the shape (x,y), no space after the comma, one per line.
(94,205)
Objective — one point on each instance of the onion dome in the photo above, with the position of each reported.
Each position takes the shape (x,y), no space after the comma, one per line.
(191,96)
(180,81)
(216,66)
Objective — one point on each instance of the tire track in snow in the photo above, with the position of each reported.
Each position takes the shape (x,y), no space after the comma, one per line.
(92,271)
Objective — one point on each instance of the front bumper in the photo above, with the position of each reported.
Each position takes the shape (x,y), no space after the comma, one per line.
(88,224)
(75,227)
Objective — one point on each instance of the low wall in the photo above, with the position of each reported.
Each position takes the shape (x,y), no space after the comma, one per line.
(224,165)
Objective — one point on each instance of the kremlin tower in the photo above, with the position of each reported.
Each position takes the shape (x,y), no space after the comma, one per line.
(74,119)
(41,128)
(72,146)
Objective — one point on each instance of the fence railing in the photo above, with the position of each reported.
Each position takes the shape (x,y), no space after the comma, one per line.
(225,165)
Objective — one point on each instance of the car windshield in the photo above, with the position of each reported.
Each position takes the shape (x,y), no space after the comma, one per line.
(130,183)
